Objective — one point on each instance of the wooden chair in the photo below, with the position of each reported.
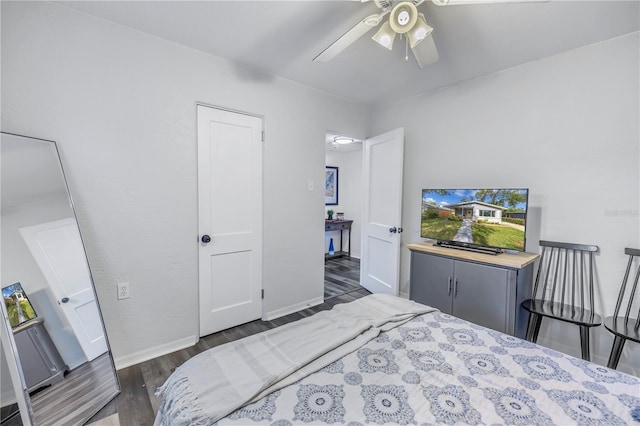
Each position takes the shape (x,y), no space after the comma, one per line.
(623,327)
(563,290)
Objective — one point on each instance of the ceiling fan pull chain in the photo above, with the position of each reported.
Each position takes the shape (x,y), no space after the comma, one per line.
(406,51)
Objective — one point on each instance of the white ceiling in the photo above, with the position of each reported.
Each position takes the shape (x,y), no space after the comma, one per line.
(282,38)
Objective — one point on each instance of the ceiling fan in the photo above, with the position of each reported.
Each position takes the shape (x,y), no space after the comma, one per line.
(404,21)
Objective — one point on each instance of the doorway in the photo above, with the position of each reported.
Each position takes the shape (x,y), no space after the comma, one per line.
(369,190)
(342,274)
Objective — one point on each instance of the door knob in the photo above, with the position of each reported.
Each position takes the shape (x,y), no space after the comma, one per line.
(393,230)
(64,299)
(205,239)
(400,230)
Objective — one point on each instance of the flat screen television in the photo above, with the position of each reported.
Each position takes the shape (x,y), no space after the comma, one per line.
(489,220)
(18,306)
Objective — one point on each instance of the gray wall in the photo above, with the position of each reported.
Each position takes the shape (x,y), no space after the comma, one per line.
(566,127)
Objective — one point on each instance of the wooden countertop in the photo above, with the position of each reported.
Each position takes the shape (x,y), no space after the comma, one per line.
(516,260)
(28,324)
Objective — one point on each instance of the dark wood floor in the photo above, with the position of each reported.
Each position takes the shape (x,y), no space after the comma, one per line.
(341,275)
(137,405)
(88,386)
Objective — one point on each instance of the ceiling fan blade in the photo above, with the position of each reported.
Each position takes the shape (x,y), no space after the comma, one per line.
(457,2)
(348,38)
(425,52)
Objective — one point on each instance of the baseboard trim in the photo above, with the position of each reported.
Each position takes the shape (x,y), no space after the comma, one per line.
(151,353)
(269,316)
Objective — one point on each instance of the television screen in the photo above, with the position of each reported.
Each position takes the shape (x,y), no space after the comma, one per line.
(18,306)
(475,217)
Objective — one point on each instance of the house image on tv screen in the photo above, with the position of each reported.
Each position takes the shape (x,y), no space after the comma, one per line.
(476,210)
(485,217)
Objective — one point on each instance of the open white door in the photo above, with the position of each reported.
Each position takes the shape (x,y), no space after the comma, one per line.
(230,218)
(382,212)
(57,249)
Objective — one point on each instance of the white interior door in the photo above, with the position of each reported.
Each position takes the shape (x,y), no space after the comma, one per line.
(382,212)
(230,218)
(57,249)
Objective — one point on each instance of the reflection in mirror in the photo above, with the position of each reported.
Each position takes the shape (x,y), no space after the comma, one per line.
(55,350)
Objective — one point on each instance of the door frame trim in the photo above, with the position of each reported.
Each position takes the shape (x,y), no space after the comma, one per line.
(237,111)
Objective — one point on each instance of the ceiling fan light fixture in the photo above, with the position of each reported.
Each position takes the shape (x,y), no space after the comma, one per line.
(403,17)
(385,36)
(419,32)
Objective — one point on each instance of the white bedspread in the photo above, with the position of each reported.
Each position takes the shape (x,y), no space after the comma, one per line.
(215,383)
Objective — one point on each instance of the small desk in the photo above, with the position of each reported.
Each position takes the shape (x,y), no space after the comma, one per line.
(338,225)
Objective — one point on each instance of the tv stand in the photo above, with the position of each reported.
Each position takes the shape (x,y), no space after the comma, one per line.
(469,247)
(478,287)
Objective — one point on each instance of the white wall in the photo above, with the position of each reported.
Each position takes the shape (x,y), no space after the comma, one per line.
(122,107)
(566,127)
(349,197)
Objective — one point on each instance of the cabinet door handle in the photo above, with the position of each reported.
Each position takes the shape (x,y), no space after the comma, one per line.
(449,286)
(455,288)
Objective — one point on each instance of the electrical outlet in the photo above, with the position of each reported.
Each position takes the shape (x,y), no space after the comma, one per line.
(123,291)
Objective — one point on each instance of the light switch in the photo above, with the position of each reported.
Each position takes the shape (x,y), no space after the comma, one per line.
(310,185)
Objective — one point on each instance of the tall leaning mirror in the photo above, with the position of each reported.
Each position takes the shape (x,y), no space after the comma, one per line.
(56,362)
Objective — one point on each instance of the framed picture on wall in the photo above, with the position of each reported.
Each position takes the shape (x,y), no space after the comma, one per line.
(331,186)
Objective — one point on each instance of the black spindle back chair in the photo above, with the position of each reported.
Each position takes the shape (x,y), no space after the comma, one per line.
(625,327)
(563,290)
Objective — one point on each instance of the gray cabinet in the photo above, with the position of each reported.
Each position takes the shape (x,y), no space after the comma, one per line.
(41,362)
(476,287)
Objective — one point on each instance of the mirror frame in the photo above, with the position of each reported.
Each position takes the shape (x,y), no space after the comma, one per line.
(15,370)
(8,342)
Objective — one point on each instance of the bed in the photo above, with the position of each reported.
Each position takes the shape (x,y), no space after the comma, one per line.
(387,360)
